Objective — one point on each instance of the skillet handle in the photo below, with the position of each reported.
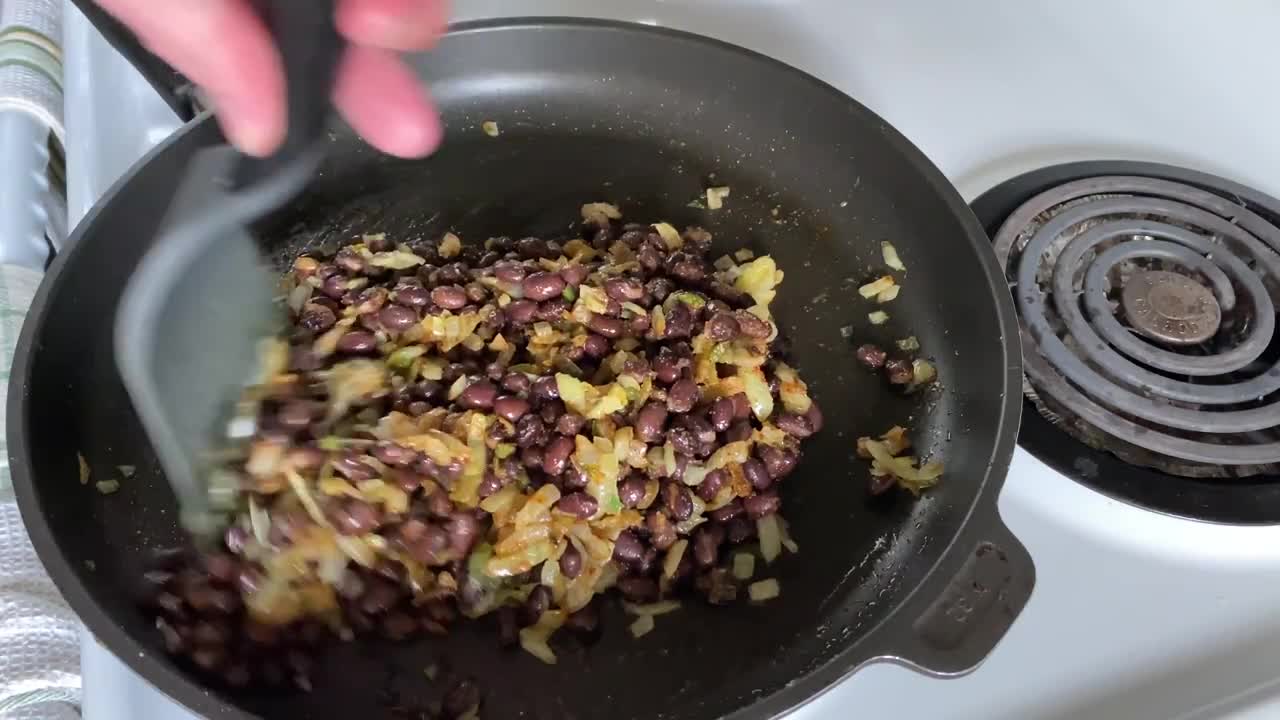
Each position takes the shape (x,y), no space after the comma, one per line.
(310,48)
(966,607)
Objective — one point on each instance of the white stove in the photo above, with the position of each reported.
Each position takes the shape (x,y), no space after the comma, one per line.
(1135,614)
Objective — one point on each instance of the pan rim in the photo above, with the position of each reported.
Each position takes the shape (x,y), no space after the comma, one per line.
(186,691)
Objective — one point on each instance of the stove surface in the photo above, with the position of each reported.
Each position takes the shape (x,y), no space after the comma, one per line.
(1135,614)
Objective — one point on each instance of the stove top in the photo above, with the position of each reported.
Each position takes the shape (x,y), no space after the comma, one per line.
(1136,613)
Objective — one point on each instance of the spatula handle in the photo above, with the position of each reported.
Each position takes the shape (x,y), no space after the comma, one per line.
(311,49)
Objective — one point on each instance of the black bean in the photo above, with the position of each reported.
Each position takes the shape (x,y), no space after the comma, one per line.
(303,359)
(758,506)
(369,321)
(659,288)
(666,367)
(204,598)
(740,530)
(578,504)
(208,632)
(508,628)
(335,286)
(871,356)
(570,424)
(689,270)
(898,371)
(738,431)
(173,640)
(521,312)
(249,580)
(624,289)
(650,259)
(638,325)
(542,286)
(711,484)
(463,529)
(814,416)
(209,658)
(662,534)
(675,496)
(516,383)
(650,421)
(683,440)
(545,388)
(628,548)
(358,342)
(475,293)
(721,414)
(880,484)
(350,467)
(490,485)
(731,510)
(638,588)
(551,411)
(778,462)
(682,396)
(397,318)
(531,431)
(531,457)
(510,407)
(431,548)
(631,490)
(509,272)
(595,346)
(721,327)
(531,247)
(706,544)
(461,698)
(585,620)
(478,395)
(371,300)
(752,326)
(679,321)
(354,517)
(316,318)
(609,327)
(741,406)
(398,625)
(755,473)
(556,455)
(574,274)
(350,260)
(452,274)
(553,310)
(412,296)
(390,453)
(571,562)
(794,425)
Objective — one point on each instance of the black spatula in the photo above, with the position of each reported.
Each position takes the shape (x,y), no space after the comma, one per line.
(193,318)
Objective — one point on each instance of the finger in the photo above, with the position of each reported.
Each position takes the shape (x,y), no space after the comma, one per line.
(222,46)
(393,24)
(385,102)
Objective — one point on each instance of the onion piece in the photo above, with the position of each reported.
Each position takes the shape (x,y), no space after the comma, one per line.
(922,372)
(108,486)
(669,235)
(300,489)
(600,213)
(396,260)
(770,537)
(757,389)
(890,255)
(672,560)
(877,286)
(84,469)
(534,638)
(759,279)
(259,522)
(764,590)
(879,317)
(651,609)
(450,245)
(908,344)
(642,626)
(716,196)
(744,565)
(792,390)
(888,294)
(490,128)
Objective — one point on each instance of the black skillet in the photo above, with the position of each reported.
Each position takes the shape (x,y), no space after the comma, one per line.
(645,118)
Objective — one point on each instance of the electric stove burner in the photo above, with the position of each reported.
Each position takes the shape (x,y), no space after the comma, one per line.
(1147,321)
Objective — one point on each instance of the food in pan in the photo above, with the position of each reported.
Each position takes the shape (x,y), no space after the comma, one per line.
(514,427)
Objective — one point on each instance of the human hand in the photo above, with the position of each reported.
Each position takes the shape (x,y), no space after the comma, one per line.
(222,46)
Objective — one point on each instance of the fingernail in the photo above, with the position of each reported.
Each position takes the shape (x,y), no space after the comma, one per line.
(249,129)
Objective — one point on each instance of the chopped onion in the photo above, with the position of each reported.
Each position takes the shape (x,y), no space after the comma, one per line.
(259,522)
(672,561)
(106,487)
(534,638)
(922,372)
(458,386)
(757,389)
(600,213)
(396,259)
(792,390)
(642,626)
(744,565)
(356,549)
(770,537)
(669,235)
(490,128)
(450,245)
(743,255)
(890,255)
(888,294)
(909,344)
(764,590)
(877,286)
(716,196)
(299,486)
(759,279)
(879,317)
(787,542)
(84,469)
(299,296)
(652,609)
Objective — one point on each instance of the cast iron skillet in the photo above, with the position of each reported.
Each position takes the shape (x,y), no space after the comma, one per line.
(645,118)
